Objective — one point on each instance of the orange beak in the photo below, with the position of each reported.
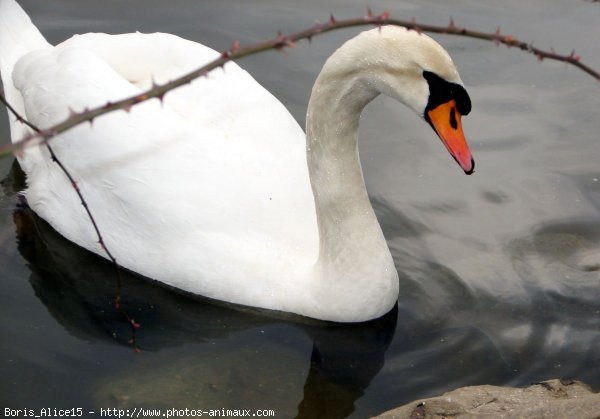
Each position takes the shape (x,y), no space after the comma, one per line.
(445,120)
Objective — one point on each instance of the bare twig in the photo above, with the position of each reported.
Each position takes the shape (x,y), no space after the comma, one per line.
(278,43)
(101,241)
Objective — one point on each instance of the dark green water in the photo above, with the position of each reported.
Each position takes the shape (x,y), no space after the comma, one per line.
(499,271)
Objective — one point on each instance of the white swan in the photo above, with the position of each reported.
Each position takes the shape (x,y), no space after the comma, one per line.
(211,192)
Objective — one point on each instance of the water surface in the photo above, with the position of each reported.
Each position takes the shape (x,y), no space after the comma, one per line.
(499,271)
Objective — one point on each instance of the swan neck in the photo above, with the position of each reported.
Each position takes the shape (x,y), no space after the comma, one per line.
(349,235)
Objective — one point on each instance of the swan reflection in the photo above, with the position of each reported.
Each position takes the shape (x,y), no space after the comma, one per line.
(78,288)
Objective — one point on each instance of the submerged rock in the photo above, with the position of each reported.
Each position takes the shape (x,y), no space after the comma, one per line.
(548,399)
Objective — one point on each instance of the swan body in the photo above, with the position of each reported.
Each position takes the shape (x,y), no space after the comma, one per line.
(217,191)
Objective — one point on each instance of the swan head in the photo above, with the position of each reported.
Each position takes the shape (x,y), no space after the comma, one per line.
(414,69)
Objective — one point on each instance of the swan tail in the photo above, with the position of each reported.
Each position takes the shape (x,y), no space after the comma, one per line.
(18,36)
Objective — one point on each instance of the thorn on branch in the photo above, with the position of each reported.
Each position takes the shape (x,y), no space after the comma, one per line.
(497,36)
(332,19)
(414,25)
(91,118)
(369,15)
(574,57)
(282,41)
(155,87)
(382,19)
(279,41)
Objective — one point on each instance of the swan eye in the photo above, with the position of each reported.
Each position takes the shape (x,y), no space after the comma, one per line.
(442,91)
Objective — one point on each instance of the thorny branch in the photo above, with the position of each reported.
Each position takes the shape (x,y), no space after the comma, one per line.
(278,43)
(101,241)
